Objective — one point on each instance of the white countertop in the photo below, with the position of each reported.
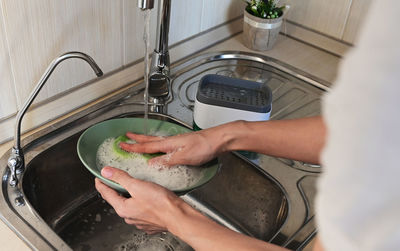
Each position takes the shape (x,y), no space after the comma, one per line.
(309,59)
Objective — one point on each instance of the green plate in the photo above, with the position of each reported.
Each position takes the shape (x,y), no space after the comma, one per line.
(91,139)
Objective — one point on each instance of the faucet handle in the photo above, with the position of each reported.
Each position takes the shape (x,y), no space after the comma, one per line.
(16,165)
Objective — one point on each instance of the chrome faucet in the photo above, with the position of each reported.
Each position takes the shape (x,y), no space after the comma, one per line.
(146,4)
(16,161)
(159,81)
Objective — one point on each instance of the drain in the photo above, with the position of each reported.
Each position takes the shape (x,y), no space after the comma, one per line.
(159,242)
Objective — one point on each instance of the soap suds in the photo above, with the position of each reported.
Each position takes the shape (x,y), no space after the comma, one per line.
(173,178)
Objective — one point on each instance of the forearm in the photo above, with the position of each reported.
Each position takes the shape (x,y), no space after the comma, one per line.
(201,233)
(299,139)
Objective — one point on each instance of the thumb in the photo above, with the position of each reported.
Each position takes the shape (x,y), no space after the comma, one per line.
(119,176)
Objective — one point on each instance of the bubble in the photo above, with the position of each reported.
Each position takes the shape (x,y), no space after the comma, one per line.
(98,218)
(173,178)
(146,242)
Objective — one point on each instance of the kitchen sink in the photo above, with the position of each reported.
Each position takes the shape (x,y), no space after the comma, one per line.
(62,192)
(56,207)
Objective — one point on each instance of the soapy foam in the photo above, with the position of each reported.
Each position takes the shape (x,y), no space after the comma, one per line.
(173,178)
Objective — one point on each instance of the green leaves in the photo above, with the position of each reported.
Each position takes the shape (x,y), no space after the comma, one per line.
(264,9)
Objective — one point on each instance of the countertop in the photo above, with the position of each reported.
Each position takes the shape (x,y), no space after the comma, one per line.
(307,58)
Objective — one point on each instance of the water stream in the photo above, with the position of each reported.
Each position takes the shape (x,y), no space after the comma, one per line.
(146,40)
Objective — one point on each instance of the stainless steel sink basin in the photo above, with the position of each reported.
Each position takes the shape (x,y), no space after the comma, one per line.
(56,207)
(62,192)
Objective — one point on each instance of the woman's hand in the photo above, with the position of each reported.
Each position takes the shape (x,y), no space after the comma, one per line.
(153,209)
(150,207)
(299,139)
(186,149)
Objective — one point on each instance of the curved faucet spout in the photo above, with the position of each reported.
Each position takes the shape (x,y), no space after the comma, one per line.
(16,160)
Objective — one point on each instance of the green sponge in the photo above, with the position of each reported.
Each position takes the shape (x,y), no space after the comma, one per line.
(121,152)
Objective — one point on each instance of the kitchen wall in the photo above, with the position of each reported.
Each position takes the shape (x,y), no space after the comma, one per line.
(32,33)
(330,25)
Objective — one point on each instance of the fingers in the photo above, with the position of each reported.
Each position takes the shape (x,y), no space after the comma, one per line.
(175,158)
(154,232)
(140,138)
(121,177)
(148,228)
(147,147)
(142,146)
(170,159)
(142,223)
(110,195)
(160,162)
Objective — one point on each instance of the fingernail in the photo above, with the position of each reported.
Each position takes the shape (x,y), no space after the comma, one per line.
(106,172)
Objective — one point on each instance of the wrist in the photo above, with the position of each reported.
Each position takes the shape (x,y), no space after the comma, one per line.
(226,137)
(232,135)
(182,211)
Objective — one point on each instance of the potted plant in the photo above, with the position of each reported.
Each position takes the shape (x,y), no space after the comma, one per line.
(262,23)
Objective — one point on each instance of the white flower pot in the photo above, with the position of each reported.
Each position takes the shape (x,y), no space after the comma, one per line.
(260,34)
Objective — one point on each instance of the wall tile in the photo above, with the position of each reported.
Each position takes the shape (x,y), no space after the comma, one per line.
(221,11)
(334,46)
(8,103)
(185,22)
(133,19)
(326,16)
(185,19)
(358,12)
(40,30)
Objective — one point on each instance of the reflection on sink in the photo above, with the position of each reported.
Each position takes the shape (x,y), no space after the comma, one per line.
(56,206)
(62,192)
